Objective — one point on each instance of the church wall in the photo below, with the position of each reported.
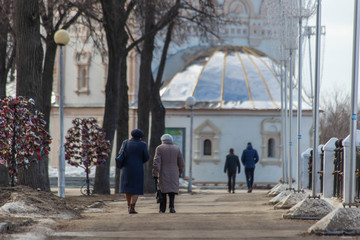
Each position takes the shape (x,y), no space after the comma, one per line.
(235,130)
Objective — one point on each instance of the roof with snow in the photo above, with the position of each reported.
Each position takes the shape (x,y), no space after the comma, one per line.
(225,77)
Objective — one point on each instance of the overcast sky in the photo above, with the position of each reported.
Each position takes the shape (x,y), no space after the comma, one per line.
(338,18)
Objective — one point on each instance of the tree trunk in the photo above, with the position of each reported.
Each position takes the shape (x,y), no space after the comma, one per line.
(4,176)
(157,130)
(102,181)
(4,31)
(145,89)
(116,36)
(3,46)
(157,108)
(123,119)
(145,71)
(29,58)
(47,78)
(47,87)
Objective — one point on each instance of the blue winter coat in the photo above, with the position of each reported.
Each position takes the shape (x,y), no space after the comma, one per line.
(249,157)
(132,172)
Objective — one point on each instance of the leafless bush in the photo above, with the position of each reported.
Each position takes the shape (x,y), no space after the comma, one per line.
(335,118)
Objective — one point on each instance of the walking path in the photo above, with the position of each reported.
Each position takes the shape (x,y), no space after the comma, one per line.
(205,214)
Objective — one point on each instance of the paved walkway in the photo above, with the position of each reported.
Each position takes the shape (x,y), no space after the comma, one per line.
(205,214)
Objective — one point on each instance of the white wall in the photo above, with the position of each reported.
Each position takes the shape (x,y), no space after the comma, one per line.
(236,131)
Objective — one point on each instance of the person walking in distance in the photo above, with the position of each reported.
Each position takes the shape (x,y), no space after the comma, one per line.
(232,164)
(168,165)
(249,158)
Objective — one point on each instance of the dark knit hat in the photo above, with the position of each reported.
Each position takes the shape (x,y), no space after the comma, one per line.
(137,133)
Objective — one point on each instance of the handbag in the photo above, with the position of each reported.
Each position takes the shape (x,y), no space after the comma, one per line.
(121,157)
(159,194)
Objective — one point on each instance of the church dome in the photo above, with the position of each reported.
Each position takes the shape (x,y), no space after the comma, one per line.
(226,77)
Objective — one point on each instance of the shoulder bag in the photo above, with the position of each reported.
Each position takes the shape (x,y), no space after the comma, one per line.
(121,157)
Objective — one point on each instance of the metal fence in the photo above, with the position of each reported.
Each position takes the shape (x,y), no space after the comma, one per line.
(338,169)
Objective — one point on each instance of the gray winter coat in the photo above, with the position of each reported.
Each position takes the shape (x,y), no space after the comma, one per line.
(168,165)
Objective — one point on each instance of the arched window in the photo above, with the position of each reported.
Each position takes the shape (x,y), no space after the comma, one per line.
(82,60)
(207,147)
(83,78)
(271,148)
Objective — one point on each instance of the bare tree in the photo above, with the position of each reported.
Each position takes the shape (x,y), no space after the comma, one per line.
(116,15)
(51,15)
(29,57)
(55,15)
(146,82)
(335,118)
(118,26)
(174,14)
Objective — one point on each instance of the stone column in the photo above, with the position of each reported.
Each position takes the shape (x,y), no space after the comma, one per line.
(349,183)
(304,168)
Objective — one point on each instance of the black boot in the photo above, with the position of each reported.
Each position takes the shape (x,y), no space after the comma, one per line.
(162,204)
(132,209)
(171,202)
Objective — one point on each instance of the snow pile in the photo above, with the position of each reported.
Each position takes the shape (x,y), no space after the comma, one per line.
(277,189)
(18,207)
(291,200)
(22,201)
(280,196)
(339,221)
(21,209)
(184,184)
(309,209)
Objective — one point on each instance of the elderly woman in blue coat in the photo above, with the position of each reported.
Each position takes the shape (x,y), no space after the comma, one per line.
(132,172)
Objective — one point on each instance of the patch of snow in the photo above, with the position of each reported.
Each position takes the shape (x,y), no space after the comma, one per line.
(93,210)
(338,222)
(72,171)
(18,207)
(184,184)
(310,209)
(64,215)
(278,189)
(40,231)
(280,196)
(21,209)
(291,200)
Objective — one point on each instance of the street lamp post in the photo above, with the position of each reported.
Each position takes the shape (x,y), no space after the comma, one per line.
(190,102)
(61,38)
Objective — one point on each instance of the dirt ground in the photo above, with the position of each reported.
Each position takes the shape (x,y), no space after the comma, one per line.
(203,214)
(23,206)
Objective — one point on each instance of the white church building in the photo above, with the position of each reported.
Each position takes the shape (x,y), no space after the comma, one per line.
(236,83)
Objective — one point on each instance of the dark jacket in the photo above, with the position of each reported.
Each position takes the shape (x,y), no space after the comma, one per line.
(232,163)
(132,173)
(249,157)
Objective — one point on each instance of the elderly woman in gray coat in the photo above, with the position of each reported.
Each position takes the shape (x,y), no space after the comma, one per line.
(167,167)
